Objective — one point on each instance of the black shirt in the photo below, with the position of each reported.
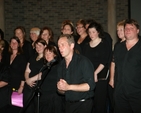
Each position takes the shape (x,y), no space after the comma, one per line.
(16,71)
(35,66)
(80,70)
(128,67)
(48,81)
(86,40)
(4,76)
(27,50)
(97,55)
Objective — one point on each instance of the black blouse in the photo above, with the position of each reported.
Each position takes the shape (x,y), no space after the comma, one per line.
(16,71)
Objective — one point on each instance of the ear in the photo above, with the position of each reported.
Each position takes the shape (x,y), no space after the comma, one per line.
(138,31)
(72,46)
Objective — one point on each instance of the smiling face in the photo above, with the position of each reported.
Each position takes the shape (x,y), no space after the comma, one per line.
(80,29)
(19,34)
(120,32)
(39,48)
(45,35)
(14,44)
(93,33)
(33,36)
(49,55)
(67,30)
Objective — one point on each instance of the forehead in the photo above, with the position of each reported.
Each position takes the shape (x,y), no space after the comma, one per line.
(45,31)
(120,27)
(130,25)
(18,30)
(13,40)
(48,51)
(92,29)
(39,43)
(67,26)
(79,24)
(62,40)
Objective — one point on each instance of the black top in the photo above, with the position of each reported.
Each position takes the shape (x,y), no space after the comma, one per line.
(128,68)
(97,55)
(27,50)
(35,66)
(52,43)
(16,71)
(4,76)
(86,40)
(49,80)
(80,70)
(3,72)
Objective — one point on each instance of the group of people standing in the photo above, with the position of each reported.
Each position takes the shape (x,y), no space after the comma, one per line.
(72,76)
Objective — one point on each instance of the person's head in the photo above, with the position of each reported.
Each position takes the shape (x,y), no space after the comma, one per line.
(2,45)
(40,45)
(34,33)
(65,22)
(88,22)
(46,34)
(81,27)
(50,53)
(1,35)
(15,45)
(120,30)
(20,33)
(95,30)
(66,45)
(68,29)
(131,29)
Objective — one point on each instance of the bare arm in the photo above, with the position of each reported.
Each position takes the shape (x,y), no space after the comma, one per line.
(27,71)
(20,90)
(2,84)
(99,68)
(112,74)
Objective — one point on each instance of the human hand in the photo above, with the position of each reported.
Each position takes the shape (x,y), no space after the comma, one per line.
(30,82)
(111,83)
(63,85)
(20,90)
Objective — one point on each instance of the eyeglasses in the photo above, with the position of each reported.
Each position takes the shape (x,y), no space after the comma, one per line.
(79,27)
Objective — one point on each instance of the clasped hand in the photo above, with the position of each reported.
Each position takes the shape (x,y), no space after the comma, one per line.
(62,85)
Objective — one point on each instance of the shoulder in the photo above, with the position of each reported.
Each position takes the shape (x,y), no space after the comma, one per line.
(81,59)
(27,43)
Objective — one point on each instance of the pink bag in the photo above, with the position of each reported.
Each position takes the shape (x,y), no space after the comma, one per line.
(17,99)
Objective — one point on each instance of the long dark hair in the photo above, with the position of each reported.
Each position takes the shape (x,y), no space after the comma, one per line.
(19,47)
(98,27)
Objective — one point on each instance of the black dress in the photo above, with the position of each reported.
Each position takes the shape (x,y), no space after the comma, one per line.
(35,67)
(50,100)
(99,55)
(3,90)
(82,44)
(27,50)
(16,74)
